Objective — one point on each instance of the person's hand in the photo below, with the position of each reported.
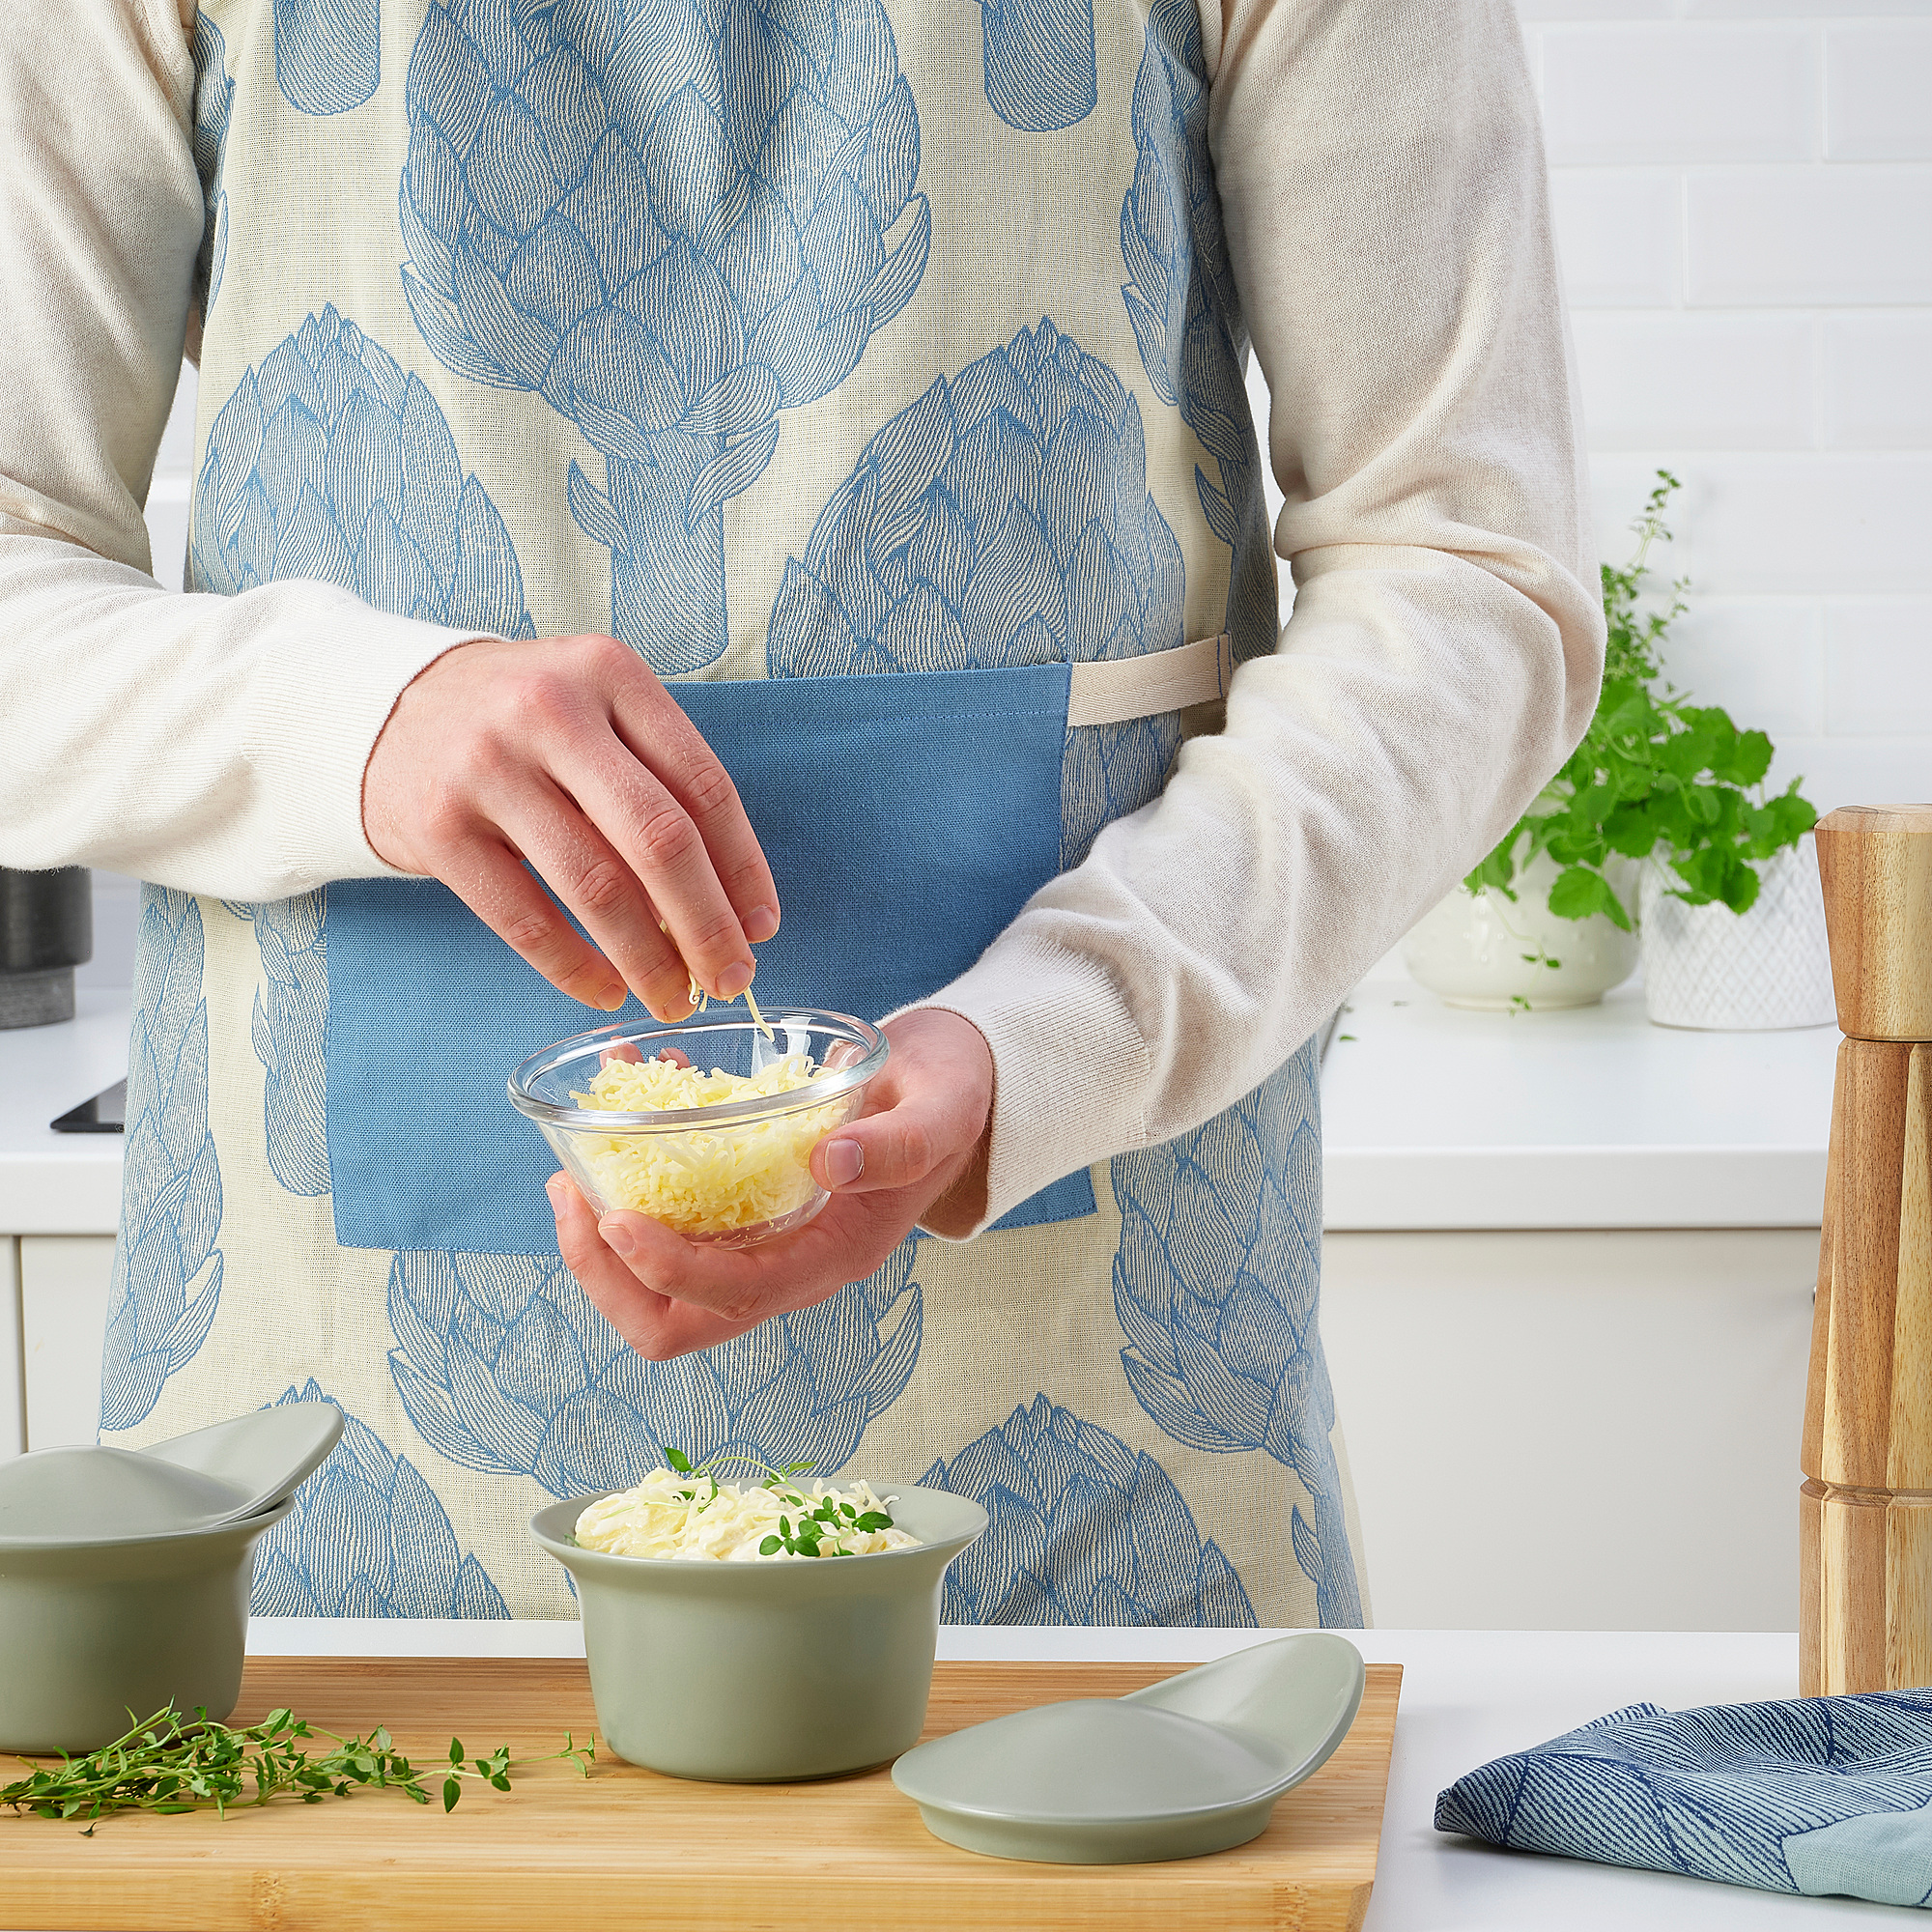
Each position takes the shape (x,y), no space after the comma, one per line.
(919,1156)
(569,753)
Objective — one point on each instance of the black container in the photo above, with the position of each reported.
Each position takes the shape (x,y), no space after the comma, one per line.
(46,929)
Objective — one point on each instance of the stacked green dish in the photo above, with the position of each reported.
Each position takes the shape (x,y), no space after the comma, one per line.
(125,1576)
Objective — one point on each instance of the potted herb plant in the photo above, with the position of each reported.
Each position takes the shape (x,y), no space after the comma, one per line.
(1662,802)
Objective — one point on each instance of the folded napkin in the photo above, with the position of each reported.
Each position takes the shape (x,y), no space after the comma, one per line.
(1816,1795)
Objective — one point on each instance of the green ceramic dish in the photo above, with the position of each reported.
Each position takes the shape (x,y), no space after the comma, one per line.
(751,1673)
(1189,1766)
(95,1630)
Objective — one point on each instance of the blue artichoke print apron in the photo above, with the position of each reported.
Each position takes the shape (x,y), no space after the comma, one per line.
(692,319)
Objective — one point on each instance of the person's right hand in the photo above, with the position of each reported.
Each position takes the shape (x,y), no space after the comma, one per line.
(569,753)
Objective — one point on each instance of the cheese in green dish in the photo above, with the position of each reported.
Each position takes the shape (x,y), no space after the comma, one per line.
(694,1518)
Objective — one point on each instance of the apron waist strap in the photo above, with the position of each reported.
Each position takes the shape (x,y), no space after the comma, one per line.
(1114,690)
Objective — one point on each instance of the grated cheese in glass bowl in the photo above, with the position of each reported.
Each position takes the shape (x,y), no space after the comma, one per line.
(691,1516)
(707,1124)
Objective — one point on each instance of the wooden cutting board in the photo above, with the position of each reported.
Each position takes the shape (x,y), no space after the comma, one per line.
(628,1847)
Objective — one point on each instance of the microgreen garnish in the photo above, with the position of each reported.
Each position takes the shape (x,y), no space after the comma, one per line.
(677,1459)
(170,1763)
(814,1517)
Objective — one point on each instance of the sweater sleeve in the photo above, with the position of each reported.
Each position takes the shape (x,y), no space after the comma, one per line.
(1380,169)
(176,737)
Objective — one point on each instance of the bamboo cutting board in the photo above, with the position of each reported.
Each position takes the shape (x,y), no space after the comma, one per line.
(628,1847)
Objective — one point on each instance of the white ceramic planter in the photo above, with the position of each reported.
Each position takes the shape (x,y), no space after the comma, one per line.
(1469,950)
(1710,968)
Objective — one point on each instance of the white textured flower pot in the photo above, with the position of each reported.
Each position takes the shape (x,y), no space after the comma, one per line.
(1469,950)
(1723,972)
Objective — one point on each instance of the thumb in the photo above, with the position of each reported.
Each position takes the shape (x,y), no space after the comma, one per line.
(924,1131)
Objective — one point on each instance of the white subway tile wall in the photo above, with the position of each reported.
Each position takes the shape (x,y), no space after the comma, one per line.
(1742,192)
(1875,106)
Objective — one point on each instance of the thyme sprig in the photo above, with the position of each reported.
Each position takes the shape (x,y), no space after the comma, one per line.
(171,1763)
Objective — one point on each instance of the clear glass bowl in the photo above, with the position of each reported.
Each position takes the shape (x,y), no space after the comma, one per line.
(733,1175)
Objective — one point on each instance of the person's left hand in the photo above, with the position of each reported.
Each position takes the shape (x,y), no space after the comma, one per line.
(921,1155)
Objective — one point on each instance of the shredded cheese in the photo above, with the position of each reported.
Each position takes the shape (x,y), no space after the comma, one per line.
(694,1518)
(707,1181)
(700,1000)
(758,1018)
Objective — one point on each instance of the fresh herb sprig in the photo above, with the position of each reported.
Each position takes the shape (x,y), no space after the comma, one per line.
(827,1517)
(1654,773)
(677,1459)
(171,1763)
(830,1517)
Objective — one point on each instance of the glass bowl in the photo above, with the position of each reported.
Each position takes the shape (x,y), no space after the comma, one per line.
(734,1173)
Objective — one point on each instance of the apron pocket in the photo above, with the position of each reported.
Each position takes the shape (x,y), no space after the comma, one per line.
(907,818)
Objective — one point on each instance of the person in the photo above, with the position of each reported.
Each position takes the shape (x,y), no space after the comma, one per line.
(681,476)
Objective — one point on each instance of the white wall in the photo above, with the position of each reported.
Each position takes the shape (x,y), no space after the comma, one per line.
(1743,205)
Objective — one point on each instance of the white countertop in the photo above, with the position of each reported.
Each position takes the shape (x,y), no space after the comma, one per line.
(1467,1697)
(1433,1118)
(61,1183)
(1590,1118)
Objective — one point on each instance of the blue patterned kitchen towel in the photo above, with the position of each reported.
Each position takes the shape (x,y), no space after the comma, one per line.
(1813,1795)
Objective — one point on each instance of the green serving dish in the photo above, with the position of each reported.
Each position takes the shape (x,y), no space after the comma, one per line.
(97,1630)
(761,1672)
(1189,1766)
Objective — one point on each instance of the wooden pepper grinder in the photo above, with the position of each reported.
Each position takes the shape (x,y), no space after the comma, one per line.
(1866,1509)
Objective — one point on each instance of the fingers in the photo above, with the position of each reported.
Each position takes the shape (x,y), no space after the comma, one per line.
(657,732)
(895,1149)
(668,1296)
(495,886)
(847,1241)
(602,889)
(739,1286)
(568,752)
(933,1114)
(651,837)
(657,1327)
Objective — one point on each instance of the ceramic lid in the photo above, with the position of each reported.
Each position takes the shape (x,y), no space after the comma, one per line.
(88,1494)
(1094,1757)
(1186,1766)
(264,1454)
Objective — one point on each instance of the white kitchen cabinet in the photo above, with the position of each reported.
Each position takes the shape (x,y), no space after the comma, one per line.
(63,1302)
(13,1391)
(1577,1430)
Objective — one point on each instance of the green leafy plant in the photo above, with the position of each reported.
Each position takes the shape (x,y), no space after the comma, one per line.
(174,1763)
(1654,775)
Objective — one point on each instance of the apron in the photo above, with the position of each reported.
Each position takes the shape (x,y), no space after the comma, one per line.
(699,327)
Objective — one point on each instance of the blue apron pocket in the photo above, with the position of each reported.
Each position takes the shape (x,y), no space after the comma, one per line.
(907,818)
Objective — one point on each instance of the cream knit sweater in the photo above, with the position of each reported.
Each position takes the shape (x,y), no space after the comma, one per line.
(1382,173)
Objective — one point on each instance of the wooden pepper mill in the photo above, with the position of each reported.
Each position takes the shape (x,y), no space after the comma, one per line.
(1866,1509)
